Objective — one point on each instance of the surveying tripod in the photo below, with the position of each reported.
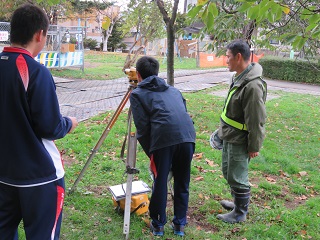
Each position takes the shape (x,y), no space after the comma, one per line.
(131,150)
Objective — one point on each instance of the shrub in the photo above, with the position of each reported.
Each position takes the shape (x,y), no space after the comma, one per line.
(90,43)
(291,70)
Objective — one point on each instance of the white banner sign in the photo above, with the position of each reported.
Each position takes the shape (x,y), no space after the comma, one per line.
(4,36)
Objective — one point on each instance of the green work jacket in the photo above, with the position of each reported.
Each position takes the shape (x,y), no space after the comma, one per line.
(246,106)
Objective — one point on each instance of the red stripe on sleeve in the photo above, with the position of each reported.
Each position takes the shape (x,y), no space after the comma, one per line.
(23,70)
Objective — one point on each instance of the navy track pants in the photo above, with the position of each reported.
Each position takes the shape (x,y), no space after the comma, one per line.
(176,158)
(40,208)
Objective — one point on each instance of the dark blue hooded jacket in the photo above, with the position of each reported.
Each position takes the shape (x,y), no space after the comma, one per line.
(160,115)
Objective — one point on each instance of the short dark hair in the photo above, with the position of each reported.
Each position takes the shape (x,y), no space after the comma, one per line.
(26,20)
(240,46)
(147,66)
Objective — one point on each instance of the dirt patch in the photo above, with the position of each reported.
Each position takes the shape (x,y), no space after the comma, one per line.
(91,65)
(198,220)
(292,200)
(195,217)
(68,160)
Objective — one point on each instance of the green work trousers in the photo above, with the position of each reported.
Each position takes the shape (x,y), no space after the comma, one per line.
(235,161)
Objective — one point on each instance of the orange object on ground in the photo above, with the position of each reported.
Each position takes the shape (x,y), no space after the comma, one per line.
(139,203)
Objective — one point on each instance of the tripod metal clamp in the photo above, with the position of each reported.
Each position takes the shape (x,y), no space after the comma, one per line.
(132,170)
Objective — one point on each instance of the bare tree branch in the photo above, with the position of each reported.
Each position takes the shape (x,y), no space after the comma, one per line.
(227,10)
(174,11)
(303,4)
(163,11)
(287,22)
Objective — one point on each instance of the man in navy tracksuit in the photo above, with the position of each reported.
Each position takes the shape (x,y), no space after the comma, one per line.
(31,168)
(167,135)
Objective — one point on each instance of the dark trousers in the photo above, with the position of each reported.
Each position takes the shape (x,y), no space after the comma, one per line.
(39,207)
(176,158)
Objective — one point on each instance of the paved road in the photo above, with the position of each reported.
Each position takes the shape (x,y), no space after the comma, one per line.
(87,98)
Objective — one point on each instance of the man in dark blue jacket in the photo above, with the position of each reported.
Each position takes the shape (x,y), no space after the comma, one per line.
(167,135)
(31,168)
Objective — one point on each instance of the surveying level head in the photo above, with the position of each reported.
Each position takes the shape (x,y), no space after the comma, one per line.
(132,75)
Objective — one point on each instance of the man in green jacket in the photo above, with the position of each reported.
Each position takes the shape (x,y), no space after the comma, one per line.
(242,127)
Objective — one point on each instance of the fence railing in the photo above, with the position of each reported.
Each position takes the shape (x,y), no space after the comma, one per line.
(64,46)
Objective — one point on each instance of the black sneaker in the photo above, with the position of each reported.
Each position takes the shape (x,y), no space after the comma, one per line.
(177,229)
(156,231)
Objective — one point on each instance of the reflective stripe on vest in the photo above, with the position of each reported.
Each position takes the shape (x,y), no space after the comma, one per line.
(229,121)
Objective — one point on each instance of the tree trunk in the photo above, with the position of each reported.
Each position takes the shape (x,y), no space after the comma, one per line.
(170,37)
(105,44)
(106,36)
(170,54)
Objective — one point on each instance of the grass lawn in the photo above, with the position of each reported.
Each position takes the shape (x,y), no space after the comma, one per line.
(105,66)
(285,177)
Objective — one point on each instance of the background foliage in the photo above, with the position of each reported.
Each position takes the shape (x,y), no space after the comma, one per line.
(294,22)
(291,70)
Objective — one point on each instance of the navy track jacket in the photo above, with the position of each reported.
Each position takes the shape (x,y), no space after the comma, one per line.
(30,121)
(160,115)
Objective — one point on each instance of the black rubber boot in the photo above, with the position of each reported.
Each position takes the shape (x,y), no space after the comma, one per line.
(241,204)
(228,205)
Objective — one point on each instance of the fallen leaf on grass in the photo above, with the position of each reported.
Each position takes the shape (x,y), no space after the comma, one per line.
(198,155)
(302,197)
(235,230)
(198,178)
(212,211)
(303,173)
(147,221)
(253,185)
(210,163)
(271,180)
(303,232)
(283,174)
(201,169)
(266,206)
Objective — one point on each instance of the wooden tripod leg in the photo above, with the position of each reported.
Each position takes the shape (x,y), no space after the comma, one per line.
(103,137)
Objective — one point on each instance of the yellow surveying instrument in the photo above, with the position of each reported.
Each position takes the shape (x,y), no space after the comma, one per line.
(130,161)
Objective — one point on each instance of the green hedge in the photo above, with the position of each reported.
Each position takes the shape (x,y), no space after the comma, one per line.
(290,70)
